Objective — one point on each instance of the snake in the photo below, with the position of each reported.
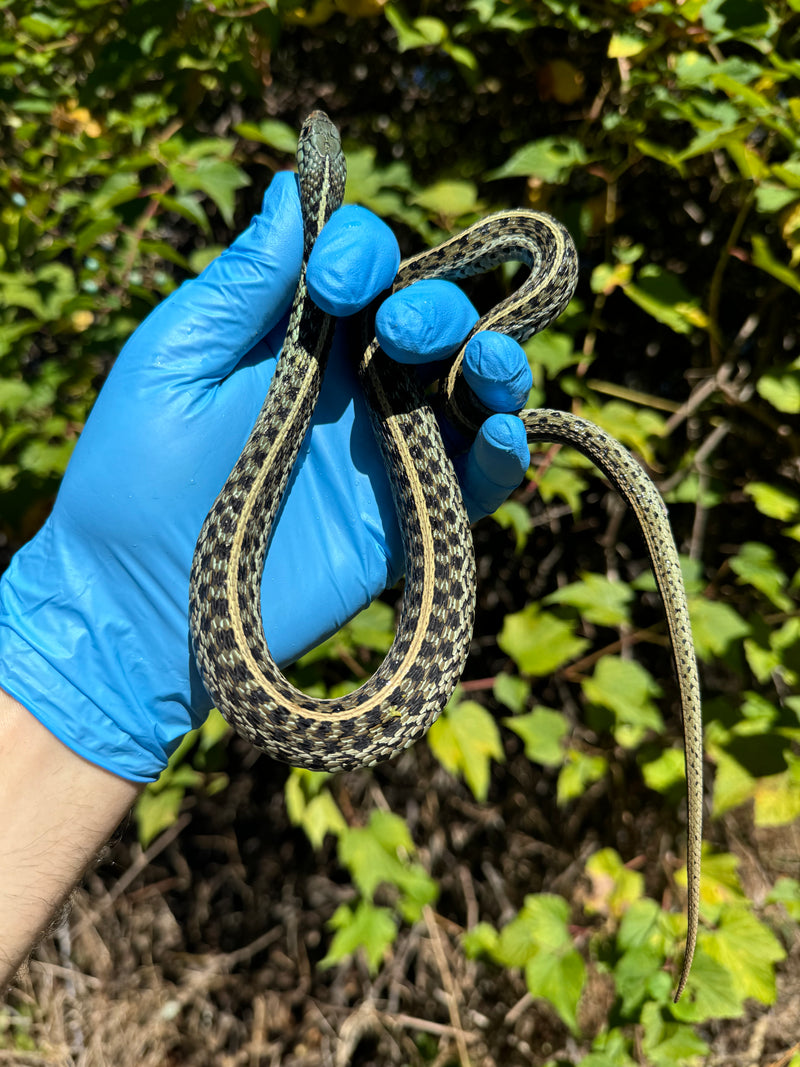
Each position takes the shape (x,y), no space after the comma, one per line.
(396,706)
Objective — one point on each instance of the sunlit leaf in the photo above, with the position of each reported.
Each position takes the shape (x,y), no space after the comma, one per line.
(773,501)
(666,1044)
(665,772)
(597,598)
(625,687)
(550,159)
(542,731)
(580,770)
(755,565)
(465,739)
(558,979)
(732,784)
(715,626)
(614,886)
(370,928)
(746,948)
(538,641)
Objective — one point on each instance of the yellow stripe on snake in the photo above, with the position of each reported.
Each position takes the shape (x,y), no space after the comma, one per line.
(397,705)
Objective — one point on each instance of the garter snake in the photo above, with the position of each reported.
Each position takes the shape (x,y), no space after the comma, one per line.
(397,705)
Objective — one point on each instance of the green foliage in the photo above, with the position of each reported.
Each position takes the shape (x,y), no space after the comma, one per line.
(136,138)
(538,940)
(378,859)
(465,739)
(195,764)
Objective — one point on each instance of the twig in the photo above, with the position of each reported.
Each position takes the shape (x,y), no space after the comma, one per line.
(786,1057)
(715,291)
(430,1027)
(449,986)
(698,396)
(135,870)
(514,1012)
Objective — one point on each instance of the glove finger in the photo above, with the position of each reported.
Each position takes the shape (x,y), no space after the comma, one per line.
(427,321)
(212,321)
(353,260)
(496,369)
(494,465)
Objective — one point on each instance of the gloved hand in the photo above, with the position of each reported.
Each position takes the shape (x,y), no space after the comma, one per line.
(94,636)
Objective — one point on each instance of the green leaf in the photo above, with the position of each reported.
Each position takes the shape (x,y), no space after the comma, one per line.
(44,27)
(14,395)
(782,391)
(733,785)
(747,949)
(580,770)
(710,991)
(630,425)
(369,928)
(551,159)
(377,854)
(369,863)
(539,940)
(625,688)
(552,351)
(465,740)
(450,199)
(626,45)
(540,924)
(662,295)
(423,32)
(641,925)
(639,976)
(666,1044)
(276,134)
(755,565)
(732,18)
(311,807)
(512,691)
(189,206)
(538,641)
(542,731)
(773,502)
(598,599)
(201,257)
(391,831)
(614,887)
(558,979)
(217,178)
(772,198)
(561,480)
(511,515)
(777,796)
(156,810)
(665,772)
(373,628)
(720,886)
(786,891)
(609,1049)
(481,940)
(715,626)
(766,261)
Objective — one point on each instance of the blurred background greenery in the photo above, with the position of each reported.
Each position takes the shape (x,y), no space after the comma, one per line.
(532,843)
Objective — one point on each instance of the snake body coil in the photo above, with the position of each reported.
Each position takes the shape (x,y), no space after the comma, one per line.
(397,705)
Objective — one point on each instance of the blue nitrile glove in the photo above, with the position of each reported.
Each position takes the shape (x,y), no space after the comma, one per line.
(94,636)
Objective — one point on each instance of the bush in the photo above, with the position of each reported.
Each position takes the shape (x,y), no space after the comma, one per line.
(137,136)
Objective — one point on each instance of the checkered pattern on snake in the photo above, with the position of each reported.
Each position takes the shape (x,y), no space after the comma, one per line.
(397,705)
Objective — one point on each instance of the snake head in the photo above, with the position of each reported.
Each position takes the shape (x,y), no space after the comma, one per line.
(322,172)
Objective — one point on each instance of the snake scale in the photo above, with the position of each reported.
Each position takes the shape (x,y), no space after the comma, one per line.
(396,706)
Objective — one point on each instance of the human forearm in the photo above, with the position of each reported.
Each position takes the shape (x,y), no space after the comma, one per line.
(58,811)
